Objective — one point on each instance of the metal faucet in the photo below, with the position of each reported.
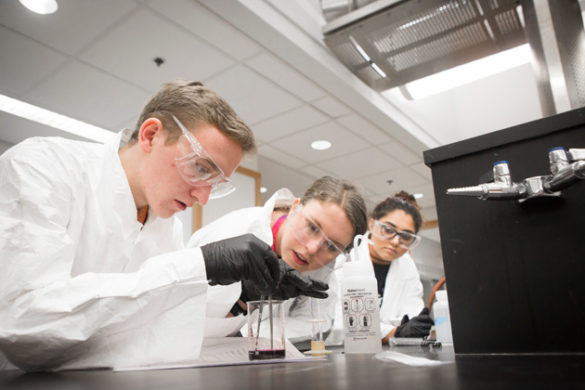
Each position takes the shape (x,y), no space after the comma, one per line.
(566,169)
(501,188)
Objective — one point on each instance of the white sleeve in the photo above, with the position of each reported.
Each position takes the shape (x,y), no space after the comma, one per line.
(411,302)
(45,314)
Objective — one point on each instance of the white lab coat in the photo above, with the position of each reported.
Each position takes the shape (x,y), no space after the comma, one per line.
(403,293)
(83,284)
(256,220)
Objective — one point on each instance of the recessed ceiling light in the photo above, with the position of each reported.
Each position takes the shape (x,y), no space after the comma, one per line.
(52,119)
(43,7)
(418,195)
(263,190)
(321,144)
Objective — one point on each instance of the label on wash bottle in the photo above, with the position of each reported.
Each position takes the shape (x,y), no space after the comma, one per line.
(360,307)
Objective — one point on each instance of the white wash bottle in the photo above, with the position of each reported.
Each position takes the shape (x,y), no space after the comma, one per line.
(360,306)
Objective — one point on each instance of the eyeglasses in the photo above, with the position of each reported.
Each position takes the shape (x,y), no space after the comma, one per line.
(308,231)
(387,232)
(197,167)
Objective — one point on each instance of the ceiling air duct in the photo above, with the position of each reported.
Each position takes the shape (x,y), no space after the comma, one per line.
(387,43)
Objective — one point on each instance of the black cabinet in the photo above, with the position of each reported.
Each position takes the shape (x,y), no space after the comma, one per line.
(515,271)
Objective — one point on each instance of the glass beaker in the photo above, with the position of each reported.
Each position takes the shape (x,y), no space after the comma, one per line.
(317,322)
(266,338)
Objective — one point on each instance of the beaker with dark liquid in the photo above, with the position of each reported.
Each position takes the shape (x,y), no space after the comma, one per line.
(266,338)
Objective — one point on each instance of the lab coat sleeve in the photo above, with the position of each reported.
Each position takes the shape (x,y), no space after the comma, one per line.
(385,328)
(46,315)
(413,292)
(411,302)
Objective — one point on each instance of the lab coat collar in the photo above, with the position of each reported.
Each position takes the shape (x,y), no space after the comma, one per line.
(123,200)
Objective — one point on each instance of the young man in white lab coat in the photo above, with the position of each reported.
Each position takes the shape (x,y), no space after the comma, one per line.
(94,271)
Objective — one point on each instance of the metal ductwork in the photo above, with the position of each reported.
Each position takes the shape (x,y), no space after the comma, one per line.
(388,43)
(555,32)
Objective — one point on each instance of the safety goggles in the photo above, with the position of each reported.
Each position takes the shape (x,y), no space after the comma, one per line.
(308,232)
(387,232)
(197,167)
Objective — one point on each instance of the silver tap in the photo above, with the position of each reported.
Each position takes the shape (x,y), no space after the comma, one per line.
(501,188)
(566,168)
(576,154)
(535,188)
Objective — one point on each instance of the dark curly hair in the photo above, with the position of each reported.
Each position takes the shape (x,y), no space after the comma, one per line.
(400,201)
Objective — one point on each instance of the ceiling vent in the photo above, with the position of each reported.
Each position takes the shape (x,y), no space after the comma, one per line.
(387,43)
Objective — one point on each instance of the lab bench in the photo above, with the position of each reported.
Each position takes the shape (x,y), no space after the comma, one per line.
(338,371)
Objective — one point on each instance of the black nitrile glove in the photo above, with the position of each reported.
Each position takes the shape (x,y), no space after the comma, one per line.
(418,326)
(293,284)
(251,260)
(314,289)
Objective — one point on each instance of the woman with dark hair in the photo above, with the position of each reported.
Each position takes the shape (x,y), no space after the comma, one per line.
(393,229)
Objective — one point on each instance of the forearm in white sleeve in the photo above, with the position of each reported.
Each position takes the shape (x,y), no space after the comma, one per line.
(42,327)
(413,297)
(411,303)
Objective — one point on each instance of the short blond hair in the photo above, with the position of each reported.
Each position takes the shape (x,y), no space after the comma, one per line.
(193,103)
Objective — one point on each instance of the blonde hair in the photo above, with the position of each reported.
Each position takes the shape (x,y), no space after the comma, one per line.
(193,103)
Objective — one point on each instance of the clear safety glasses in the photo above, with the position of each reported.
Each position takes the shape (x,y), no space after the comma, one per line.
(387,232)
(197,167)
(308,232)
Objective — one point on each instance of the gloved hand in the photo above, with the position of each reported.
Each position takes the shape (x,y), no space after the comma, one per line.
(295,285)
(418,326)
(251,260)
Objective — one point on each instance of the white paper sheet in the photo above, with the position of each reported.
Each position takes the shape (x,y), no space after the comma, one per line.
(408,360)
(224,351)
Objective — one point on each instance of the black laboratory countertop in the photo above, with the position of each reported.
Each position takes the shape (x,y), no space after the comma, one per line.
(338,371)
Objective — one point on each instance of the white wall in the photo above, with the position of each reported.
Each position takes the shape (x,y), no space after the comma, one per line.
(276,176)
(429,262)
(429,259)
(477,108)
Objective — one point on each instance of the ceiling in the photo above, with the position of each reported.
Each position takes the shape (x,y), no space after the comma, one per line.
(94,61)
